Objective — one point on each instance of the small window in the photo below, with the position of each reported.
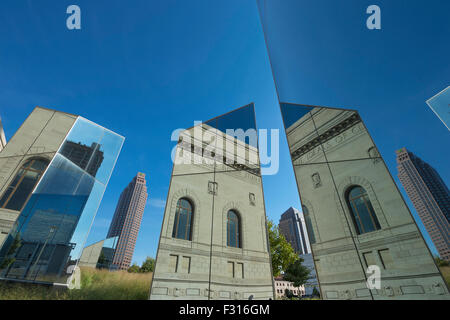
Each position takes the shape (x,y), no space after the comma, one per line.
(386,259)
(369,259)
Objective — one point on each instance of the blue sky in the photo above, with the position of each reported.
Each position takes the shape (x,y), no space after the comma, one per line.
(146,68)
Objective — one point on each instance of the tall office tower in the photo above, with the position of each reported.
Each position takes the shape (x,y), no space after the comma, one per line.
(127,221)
(293,227)
(358,216)
(429,195)
(213,242)
(296,228)
(48,199)
(2,136)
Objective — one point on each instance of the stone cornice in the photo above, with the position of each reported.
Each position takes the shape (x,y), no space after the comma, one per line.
(324,137)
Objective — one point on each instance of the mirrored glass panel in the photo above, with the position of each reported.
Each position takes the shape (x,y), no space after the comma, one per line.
(106,256)
(350,201)
(93,148)
(440,104)
(215,219)
(195,150)
(50,232)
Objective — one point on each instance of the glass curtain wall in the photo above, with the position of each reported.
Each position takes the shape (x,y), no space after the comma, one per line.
(51,230)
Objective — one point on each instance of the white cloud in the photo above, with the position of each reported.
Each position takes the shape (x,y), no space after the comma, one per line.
(157,203)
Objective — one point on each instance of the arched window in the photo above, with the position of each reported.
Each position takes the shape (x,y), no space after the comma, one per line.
(183,220)
(233,227)
(22,185)
(362,211)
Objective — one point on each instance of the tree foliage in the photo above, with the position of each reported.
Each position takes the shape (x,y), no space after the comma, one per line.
(315,292)
(441,262)
(283,255)
(134,268)
(147,266)
(297,273)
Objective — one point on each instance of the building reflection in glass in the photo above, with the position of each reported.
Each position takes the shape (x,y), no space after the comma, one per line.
(51,229)
(213,242)
(356,215)
(100,254)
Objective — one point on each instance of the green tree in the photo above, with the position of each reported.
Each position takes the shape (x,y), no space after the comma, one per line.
(8,260)
(281,251)
(148,265)
(134,268)
(441,263)
(101,258)
(315,292)
(297,273)
(288,293)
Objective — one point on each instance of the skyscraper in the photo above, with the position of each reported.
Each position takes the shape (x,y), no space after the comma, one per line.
(2,136)
(48,198)
(296,227)
(293,227)
(127,220)
(429,195)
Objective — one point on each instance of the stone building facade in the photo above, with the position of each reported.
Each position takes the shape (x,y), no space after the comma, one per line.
(281,285)
(357,215)
(213,242)
(40,136)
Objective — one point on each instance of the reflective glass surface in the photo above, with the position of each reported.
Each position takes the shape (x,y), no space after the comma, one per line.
(51,230)
(440,104)
(217,168)
(107,253)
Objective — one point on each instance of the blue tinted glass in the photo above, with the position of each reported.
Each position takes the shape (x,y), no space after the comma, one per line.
(239,119)
(53,226)
(293,112)
(364,215)
(440,104)
(356,217)
(92,148)
(111,242)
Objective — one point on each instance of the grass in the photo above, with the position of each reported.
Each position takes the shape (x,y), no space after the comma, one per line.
(446,273)
(95,285)
(99,285)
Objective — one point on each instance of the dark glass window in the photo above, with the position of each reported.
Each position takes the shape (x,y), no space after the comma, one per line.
(233,226)
(23,183)
(362,211)
(183,220)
